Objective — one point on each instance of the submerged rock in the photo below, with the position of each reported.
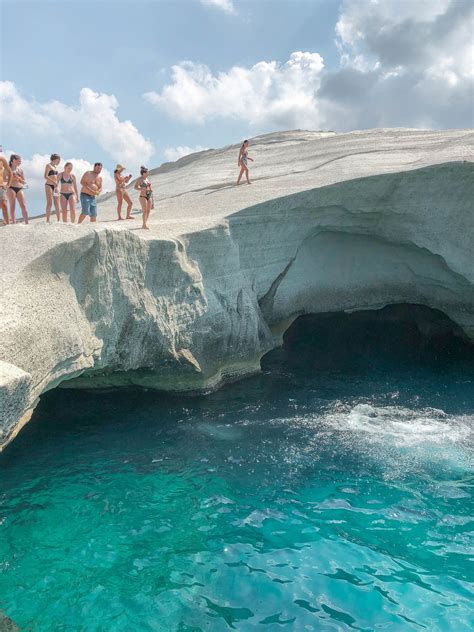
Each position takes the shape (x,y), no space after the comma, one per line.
(332,222)
(7,625)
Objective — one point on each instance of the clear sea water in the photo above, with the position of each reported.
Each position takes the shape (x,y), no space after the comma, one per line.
(295,500)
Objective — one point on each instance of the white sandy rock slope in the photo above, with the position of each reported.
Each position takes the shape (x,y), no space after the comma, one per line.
(331,222)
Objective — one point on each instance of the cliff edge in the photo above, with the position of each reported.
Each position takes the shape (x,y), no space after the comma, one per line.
(331,222)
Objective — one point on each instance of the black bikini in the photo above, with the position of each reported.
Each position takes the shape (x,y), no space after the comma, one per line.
(51,172)
(63,181)
(19,173)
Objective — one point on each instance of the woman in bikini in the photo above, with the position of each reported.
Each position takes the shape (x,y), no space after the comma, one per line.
(5,181)
(51,186)
(242,161)
(15,190)
(69,194)
(143,185)
(121,192)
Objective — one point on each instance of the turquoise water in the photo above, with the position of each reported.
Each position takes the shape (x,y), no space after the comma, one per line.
(329,501)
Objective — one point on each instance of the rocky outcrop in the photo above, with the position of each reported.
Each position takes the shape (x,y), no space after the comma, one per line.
(331,223)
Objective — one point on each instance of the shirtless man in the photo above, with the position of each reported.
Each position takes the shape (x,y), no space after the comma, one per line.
(91,187)
(4,184)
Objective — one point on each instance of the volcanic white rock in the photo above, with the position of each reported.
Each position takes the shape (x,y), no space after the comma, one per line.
(331,222)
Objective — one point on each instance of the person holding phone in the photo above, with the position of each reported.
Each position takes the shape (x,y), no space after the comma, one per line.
(121,192)
(143,185)
(91,187)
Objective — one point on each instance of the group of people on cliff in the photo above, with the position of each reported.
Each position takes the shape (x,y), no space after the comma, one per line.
(61,189)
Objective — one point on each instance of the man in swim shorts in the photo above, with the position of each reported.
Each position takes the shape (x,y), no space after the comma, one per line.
(5,180)
(91,187)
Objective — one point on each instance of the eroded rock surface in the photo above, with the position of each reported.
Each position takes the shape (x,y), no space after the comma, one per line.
(331,222)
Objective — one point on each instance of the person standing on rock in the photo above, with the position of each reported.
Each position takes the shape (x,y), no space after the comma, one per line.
(242,162)
(51,186)
(15,188)
(91,187)
(143,185)
(69,196)
(121,192)
(4,184)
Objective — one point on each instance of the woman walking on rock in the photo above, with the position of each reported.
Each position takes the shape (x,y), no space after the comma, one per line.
(143,185)
(15,190)
(51,186)
(121,192)
(69,194)
(242,162)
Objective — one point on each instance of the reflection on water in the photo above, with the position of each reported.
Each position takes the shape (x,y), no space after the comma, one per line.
(299,500)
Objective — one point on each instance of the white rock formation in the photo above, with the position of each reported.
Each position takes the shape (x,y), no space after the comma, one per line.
(331,222)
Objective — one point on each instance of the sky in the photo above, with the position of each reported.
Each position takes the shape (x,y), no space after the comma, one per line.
(148,81)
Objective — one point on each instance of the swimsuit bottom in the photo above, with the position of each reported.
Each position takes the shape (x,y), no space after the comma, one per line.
(16,189)
(50,185)
(66,195)
(147,195)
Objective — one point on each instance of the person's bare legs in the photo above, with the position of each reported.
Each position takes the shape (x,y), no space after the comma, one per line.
(82,217)
(63,203)
(149,204)
(120,197)
(56,207)
(12,203)
(6,219)
(72,208)
(21,201)
(247,175)
(146,205)
(242,169)
(49,201)
(129,202)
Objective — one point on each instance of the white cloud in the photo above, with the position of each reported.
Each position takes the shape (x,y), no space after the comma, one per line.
(95,117)
(224,5)
(403,63)
(175,153)
(18,112)
(268,93)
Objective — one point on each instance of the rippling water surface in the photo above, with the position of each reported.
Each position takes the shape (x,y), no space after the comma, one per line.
(334,501)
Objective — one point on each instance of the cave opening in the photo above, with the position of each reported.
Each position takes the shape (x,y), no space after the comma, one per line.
(397,335)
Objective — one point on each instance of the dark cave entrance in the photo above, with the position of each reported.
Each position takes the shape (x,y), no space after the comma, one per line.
(395,336)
